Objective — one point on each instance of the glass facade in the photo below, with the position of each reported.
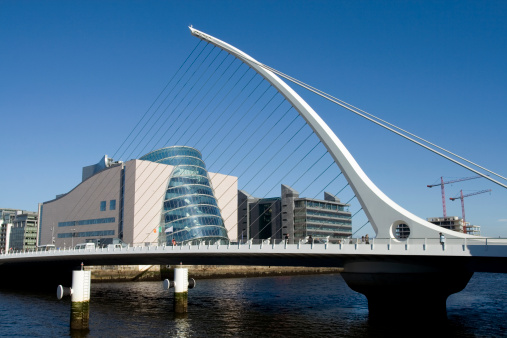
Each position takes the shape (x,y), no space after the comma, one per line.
(190,210)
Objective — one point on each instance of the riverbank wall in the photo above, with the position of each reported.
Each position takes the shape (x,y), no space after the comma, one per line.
(133,273)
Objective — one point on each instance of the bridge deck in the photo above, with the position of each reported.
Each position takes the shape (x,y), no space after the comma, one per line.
(477,255)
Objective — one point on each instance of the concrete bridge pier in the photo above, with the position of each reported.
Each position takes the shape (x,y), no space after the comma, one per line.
(80,299)
(181,284)
(405,293)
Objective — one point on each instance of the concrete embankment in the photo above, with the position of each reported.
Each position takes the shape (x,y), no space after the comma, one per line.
(131,273)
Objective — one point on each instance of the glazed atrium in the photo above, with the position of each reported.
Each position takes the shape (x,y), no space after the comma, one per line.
(190,209)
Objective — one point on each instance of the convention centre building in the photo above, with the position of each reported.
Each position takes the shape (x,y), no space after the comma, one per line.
(164,195)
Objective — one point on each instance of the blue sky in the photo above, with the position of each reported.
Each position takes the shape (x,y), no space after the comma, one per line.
(76,76)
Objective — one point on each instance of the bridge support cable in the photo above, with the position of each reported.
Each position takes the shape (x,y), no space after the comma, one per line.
(293,183)
(242,160)
(240,147)
(287,174)
(148,167)
(357,212)
(105,186)
(182,112)
(75,212)
(280,212)
(278,183)
(156,99)
(291,122)
(169,93)
(210,114)
(236,124)
(350,199)
(241,133)
(189,86)
(288,157)
(232,114)
(244,116)
(205,108)
(382,212)
(362,226)
(378,121)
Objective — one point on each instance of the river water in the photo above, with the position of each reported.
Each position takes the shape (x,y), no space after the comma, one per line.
(317,305)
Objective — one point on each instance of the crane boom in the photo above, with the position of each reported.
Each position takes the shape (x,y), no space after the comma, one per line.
(443,190)
(471,194)
(454,181)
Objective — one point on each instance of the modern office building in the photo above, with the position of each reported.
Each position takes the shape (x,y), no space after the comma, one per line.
(258,218)
(18,230)
(165,194)
(263,218)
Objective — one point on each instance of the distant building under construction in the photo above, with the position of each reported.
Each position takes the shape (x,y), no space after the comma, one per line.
(455,223)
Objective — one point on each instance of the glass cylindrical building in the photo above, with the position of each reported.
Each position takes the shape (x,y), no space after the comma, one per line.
(190,210)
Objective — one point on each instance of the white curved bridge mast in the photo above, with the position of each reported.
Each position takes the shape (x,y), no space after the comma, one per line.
(384,215)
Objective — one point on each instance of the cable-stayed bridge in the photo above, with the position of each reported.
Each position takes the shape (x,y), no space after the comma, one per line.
(249,123)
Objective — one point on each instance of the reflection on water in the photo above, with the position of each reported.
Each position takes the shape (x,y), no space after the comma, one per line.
(278,306)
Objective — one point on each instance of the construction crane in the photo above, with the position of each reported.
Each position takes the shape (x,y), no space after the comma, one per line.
(462,198)
(441,184)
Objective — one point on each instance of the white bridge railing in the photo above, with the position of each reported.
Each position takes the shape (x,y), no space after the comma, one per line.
(347,245)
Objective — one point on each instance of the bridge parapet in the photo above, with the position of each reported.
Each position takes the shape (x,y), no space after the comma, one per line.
(463,247)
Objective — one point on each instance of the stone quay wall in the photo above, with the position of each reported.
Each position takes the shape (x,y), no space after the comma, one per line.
(132,273)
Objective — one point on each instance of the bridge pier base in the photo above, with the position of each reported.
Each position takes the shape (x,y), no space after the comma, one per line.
(181,285)
(408,296)
(80,300)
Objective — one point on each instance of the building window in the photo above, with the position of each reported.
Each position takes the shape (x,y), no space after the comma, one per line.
(103,206)
(112,205)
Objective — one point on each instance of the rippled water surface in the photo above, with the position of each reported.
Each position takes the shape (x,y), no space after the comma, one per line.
(319,305)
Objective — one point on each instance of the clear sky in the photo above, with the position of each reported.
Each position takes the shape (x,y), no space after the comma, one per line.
(75,77)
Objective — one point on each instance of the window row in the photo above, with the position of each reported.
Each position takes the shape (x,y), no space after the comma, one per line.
(197,233)
(192,210)
(189,170)
(324,221)
(194,221)
(321,213)
(187,180)
(182,160)
(112,205)
(330,229)
(86,234)
(160,154)
(188,190)
(87,222)
(319,205)
(189,200)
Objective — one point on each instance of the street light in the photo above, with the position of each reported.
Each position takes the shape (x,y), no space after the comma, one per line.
(73,234)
